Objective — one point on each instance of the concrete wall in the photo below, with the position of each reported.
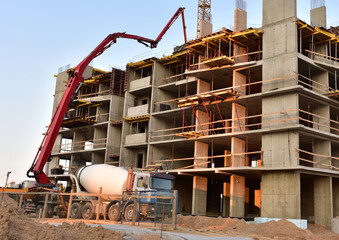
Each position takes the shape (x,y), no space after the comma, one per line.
(138,138)
(140,83)
(318,17)
(281,195)
(323,208)
(199,195)
(138,110)
(279,42)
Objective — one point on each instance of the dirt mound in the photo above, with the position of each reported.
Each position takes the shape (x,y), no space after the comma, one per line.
(282,229)
(15,225)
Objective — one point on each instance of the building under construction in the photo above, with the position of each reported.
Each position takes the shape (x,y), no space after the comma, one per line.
(247,120)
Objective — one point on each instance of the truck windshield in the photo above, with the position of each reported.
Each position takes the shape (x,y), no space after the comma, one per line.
(160,183)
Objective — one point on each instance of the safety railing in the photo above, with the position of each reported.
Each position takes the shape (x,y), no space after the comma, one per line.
(91,208)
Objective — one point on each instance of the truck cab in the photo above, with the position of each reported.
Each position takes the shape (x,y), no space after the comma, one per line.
(153,184)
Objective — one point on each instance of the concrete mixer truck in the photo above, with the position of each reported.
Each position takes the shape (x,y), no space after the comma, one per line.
(114,181)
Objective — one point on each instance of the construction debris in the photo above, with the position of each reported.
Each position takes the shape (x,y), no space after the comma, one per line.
(282,229)
(15,225)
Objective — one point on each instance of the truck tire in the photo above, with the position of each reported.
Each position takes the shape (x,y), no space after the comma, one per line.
(128,212)
(88,211)
(76,210)
(114,212)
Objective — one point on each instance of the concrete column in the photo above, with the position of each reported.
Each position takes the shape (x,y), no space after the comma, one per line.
(99,142)
(237,183)
(199,196)
(238,80)
(114,132)
(240,19)
(237,196)
(238,146)
(318,17)
(203,86)
(321,77)
(205,28)
(227,159)
(79,138)
(238,120)
(202,118)
(281,195)
(322,147)
(226,199)
(323,121)
(279,149)
(202,122)
(200,154)
(279,43)
(240,23)
(323,208)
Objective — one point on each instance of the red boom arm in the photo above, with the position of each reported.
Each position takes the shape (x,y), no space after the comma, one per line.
(47,143)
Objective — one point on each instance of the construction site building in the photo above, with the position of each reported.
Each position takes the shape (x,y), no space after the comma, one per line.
(247,120)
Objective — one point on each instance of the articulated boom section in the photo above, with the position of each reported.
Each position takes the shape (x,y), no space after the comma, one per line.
(71,89)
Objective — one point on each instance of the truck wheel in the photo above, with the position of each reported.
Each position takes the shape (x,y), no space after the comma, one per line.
(128,213)
(76,210)
(37,211)
(87,211)
(114,212)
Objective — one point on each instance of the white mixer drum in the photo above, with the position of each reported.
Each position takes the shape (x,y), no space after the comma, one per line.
(113,180)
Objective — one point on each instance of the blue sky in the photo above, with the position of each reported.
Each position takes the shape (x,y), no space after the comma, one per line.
(39,36)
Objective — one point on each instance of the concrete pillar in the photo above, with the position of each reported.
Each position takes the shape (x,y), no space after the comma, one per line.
(202,118)
(237,183)
(114,133)
(279,149)
(240,23)
(79,138)
(205,28)
(238,117)
(237,147)
(281,195)
(237,196)
(322,147)
(323,121)
(240,19)
(199,196)
(227,159)
(279,43)
(318,17)
(239,80)
(323,208)
(202,122)
(321,77)
(203,86)
(200,154)
(226,199)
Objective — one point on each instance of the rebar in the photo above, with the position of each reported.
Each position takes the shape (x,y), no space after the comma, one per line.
(241,4)
(317,3)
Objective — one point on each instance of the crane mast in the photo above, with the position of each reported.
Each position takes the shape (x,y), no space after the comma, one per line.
(204,14)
